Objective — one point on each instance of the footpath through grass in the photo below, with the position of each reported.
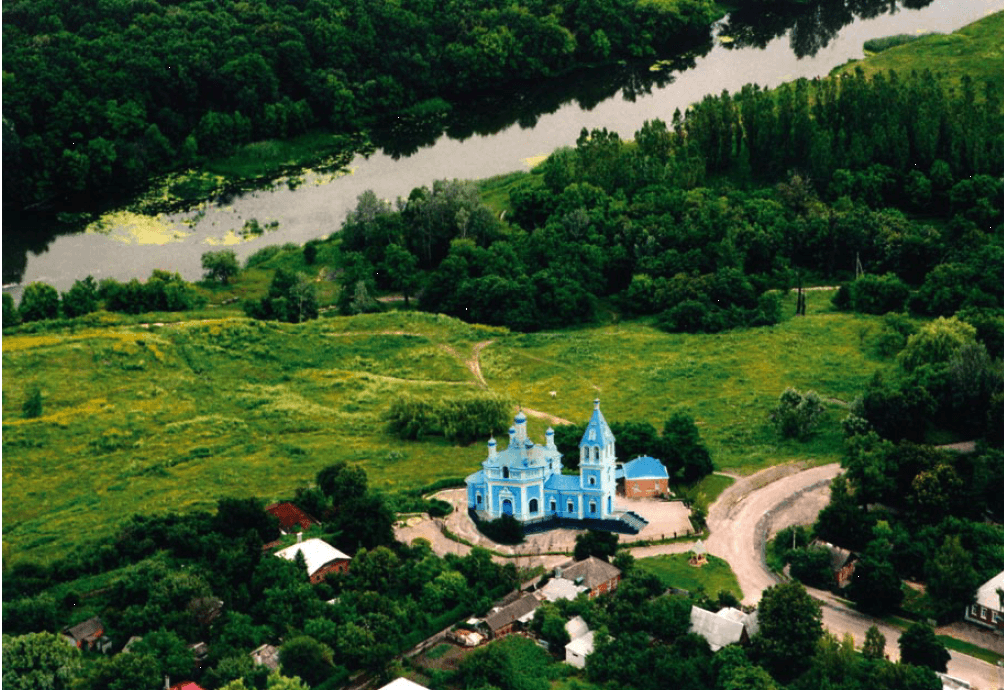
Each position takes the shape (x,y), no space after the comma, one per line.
(172,418)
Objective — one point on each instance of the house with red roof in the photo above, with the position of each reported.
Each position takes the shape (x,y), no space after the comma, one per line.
(291,518)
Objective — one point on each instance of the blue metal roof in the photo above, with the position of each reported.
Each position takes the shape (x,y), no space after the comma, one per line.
(645,468)
(597,432)
(562,482)
(476,478)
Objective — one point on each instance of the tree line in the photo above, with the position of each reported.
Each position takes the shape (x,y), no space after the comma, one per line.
(897,176)
(97,100)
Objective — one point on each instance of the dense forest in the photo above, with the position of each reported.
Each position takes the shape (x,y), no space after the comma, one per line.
(697,220)
(99,96)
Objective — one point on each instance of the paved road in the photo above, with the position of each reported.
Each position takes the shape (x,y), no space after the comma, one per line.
(763,502)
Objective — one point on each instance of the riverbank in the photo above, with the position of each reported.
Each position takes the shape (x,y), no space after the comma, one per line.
(477,145)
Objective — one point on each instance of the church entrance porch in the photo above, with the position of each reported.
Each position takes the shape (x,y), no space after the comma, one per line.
(507,507)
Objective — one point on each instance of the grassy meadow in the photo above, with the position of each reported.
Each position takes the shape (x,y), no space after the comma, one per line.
(974,50)
(174,417)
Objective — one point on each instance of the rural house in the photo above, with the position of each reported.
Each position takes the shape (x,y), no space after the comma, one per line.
(645,477)
(595,574)
(85,635)
(267,655)
(321,557)
(403,684)
(581,644)
(728,626)
(504,621)
(988,609)
(291,518)
(842,562)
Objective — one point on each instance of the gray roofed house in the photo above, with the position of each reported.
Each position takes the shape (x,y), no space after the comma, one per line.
(719,630)
(85,634)
(502,622)
(596,574)
(842,562)
(267,655)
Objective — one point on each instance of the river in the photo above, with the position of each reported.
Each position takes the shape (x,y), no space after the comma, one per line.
(767,49)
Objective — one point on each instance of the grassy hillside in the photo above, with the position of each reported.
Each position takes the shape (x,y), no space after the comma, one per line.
(174,417)
(973,50)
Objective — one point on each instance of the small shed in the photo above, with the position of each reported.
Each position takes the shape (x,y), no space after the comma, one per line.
(578,649)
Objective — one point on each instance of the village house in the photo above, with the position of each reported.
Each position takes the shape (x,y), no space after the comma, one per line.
(85,635)
(593,573)
(988,608)
(267,655)
(842,562)
(506,619)
(644,477)
(321,558)
(403,684)
(728,626)
(581,642)
(291,518)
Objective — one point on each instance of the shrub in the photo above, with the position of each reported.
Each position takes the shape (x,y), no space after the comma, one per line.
(796,415)
(39,301)
(505,530)
(873,294)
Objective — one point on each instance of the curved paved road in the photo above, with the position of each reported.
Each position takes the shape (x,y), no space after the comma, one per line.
(743,509)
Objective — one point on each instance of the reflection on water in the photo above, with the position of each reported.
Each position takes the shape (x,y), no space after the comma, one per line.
(492,135)
(527,103)
(812,25)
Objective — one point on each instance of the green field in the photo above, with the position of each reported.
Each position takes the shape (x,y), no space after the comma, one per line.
(174,417)
(974,50)
(674,570)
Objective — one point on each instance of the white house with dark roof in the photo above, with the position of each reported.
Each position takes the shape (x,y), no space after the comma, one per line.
(525,479)
(988,608)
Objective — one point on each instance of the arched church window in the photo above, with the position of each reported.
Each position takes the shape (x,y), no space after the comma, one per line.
(596,453)
(571,507)
(592,507)
(533,505)
(592,480)
(554,506)
(479,499)
(505,473)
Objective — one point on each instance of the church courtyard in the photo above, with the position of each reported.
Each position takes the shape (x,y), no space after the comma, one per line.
(665,519)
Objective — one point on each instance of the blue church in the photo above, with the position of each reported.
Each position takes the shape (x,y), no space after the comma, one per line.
(525,479)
